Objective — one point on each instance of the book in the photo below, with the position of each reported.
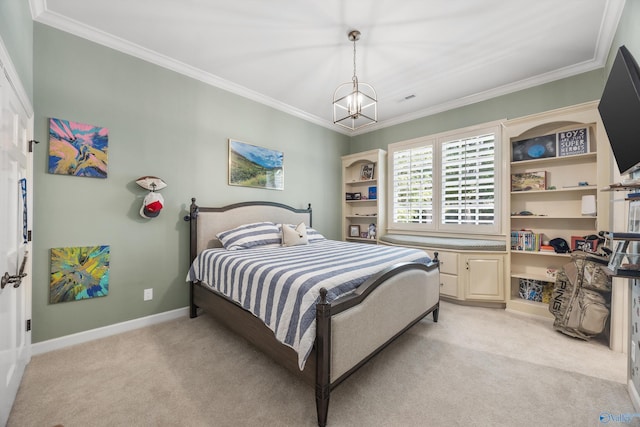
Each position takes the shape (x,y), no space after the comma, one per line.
(525,240)
(373,193)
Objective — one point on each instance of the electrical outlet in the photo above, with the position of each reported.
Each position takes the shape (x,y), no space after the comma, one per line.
(148,294)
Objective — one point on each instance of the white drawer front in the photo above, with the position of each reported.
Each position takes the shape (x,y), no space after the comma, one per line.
(449,285)
(448,262)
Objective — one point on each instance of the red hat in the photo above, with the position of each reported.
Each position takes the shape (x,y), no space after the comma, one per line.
(152,204)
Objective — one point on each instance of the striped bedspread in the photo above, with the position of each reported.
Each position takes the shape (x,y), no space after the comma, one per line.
(282,285)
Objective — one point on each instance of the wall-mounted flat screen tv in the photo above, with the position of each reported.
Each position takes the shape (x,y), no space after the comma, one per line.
(619,108)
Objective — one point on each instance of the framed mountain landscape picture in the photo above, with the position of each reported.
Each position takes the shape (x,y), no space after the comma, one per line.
(253,166)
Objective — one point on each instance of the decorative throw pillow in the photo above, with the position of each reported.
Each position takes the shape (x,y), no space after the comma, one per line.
(246,236)
(313,236)
(294,236)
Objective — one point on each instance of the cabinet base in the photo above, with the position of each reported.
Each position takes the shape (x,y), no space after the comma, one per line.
(529,307)
(486,304)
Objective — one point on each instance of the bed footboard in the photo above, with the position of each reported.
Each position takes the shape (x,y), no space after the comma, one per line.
(354,329)
(396,305)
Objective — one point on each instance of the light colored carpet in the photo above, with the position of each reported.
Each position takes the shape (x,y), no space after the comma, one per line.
(475,367)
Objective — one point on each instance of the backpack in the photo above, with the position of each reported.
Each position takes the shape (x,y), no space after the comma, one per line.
(579,307)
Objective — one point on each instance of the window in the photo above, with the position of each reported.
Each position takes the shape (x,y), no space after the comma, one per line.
(468,180)
(447,182)
(413,185)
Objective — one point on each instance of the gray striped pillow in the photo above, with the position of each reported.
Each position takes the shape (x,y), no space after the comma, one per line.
(246,236)
(313,235)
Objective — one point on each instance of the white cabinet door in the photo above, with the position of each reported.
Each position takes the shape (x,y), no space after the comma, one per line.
(483,277)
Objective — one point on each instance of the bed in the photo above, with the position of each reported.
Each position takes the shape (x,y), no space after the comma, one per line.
(335,319)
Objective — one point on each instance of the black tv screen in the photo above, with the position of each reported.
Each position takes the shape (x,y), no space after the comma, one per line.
(619,108)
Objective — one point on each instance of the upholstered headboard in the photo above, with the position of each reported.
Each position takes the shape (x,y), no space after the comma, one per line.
(206,222)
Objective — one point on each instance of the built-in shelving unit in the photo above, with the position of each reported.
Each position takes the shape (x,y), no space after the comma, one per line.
(363,178)
(556,209)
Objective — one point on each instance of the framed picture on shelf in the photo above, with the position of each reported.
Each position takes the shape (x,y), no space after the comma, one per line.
(354,231)
(357,196)
(366,171)
(529,181)
(539,147)
(615,259)
(572,142)
(582,244)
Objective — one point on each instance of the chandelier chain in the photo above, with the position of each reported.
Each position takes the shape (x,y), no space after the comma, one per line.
(354,60)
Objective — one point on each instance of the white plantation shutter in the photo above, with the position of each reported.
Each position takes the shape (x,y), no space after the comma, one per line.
(468,181)
(447,182)
(413,185)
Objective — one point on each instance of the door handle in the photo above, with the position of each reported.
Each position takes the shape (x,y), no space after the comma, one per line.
(15,279)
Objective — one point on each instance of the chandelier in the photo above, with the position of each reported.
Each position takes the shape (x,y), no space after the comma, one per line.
(354,103)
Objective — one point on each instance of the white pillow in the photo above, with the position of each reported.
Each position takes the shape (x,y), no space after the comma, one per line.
(294,236)
(246,236)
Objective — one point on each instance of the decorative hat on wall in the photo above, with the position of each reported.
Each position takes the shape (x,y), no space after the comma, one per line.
(152,205)
(153,202)
(151,183)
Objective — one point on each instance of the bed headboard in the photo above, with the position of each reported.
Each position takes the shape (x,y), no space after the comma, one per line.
(206,222)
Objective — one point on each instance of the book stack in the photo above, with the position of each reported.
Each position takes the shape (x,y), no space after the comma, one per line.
(525,240)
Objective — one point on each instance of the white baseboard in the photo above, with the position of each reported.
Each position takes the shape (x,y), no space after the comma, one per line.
(105,331)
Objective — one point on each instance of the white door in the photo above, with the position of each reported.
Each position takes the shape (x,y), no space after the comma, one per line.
(15,221)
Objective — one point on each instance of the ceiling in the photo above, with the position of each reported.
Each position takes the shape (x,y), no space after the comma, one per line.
(421,56)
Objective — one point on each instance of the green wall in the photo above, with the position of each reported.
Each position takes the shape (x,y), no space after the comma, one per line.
(16,32)
(164,124)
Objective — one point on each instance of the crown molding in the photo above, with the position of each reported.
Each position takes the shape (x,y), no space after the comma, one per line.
(614,9)
(490,94)
(37,7)
(609,26)
(62,23)
(606,35)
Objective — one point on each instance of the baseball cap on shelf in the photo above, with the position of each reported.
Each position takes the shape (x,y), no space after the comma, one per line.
(560,245)
(152,205)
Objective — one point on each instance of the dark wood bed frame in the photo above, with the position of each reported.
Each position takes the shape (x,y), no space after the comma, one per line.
(318,366)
